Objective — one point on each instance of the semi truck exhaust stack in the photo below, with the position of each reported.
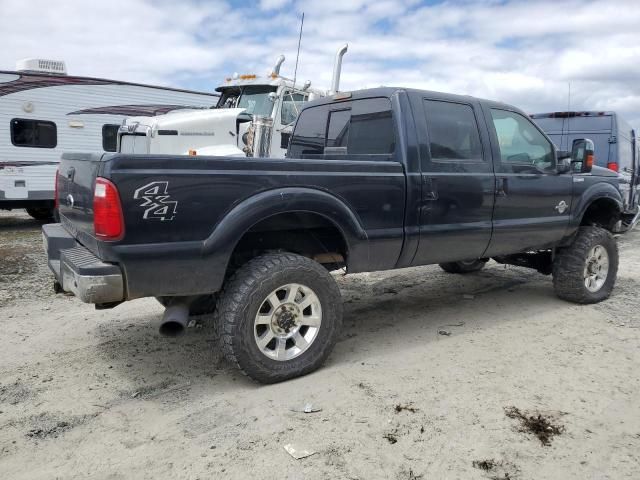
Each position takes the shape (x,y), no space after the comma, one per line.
(175,319)
(337,67)
(279,62)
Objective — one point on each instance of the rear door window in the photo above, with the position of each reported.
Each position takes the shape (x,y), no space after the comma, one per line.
(372,131)
(453,132)
(33,133)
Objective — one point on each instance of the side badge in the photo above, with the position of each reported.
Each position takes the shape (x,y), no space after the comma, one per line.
(156,201)
(562,207)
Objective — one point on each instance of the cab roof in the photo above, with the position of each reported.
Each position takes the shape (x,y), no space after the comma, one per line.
(391,91)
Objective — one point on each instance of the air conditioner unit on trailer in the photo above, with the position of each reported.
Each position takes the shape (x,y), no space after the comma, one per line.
(41,65)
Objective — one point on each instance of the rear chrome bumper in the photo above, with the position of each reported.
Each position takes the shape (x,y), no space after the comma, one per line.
(79,271)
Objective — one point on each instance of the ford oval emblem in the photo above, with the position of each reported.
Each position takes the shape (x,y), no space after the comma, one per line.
(70,201)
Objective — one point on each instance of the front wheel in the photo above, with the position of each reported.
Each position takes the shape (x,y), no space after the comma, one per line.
(279,316)
(466,266)
(585,272)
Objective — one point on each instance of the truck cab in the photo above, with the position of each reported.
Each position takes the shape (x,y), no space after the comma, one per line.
(225,128)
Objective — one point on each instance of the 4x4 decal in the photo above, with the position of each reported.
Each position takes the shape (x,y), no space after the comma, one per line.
(156,199)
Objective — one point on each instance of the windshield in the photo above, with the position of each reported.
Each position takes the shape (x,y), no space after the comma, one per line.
(255,99)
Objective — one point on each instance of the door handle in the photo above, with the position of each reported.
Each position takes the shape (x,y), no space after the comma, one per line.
(430,188)
(501,187)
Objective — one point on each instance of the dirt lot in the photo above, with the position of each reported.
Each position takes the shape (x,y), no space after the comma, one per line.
(422,384)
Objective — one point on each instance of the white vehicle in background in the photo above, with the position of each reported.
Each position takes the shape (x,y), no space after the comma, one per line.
(254,117)
(44,112)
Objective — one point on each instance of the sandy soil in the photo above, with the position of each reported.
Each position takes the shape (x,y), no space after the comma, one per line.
(99,394)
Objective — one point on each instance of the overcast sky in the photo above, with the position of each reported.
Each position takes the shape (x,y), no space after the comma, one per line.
(519,52)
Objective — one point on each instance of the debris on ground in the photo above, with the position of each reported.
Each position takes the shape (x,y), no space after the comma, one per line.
(307,408)
(411,475)
(467,296)
(391,437)
(444,332)
(539,425)
(497,470)
(298,452)
(408,407)
(52,431)
(485,465)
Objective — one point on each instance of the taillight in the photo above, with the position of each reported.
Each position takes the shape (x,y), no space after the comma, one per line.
(612,166)
(55,191)
(108,221)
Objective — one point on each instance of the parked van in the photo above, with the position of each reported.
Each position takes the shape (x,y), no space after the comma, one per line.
(44,112)
(614,139)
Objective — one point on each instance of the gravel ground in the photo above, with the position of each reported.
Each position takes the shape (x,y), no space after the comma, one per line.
(485,376)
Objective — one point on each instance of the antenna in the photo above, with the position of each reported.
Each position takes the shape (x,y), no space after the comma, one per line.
(295,72)
(568,114)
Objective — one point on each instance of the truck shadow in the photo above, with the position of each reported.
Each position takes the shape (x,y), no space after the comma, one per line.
(14,222)
(380,308)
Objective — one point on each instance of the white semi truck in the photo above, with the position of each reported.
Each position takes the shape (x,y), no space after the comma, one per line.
(254,116)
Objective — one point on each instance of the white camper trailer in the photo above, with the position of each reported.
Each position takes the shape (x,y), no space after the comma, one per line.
(44,112)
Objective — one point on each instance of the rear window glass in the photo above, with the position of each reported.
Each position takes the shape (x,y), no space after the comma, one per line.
(360,127)
(110,137)
(453,131)
(33,133)
(338,132)
(309,133)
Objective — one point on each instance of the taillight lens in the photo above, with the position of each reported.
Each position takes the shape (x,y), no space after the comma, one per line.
(108,221)
(612,166)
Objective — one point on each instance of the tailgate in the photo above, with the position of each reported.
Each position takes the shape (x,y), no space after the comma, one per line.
(76,180)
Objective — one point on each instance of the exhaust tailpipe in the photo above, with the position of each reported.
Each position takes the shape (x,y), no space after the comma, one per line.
(279,62)
(175,319)
(337,67)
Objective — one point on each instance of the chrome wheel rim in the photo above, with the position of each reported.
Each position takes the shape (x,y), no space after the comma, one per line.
(596,268)
(287,322)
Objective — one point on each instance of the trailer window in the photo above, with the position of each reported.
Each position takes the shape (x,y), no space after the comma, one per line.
(110,137)
(33,133)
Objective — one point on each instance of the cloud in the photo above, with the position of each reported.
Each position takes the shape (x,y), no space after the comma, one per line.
(524,53)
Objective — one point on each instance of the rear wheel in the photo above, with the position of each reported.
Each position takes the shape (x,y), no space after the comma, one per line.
(585,272)
(279,316)
(42,214)
(466,266)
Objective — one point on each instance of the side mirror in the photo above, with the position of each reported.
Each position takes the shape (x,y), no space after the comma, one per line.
(582,155)
(273,96)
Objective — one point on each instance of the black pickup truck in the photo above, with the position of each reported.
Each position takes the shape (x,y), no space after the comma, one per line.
(374,180)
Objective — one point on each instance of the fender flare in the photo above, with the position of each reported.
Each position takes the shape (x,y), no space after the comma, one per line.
(599,191)
(236,222)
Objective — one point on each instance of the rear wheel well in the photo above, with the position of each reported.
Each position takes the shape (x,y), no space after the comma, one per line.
(304,233)
(603,213)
